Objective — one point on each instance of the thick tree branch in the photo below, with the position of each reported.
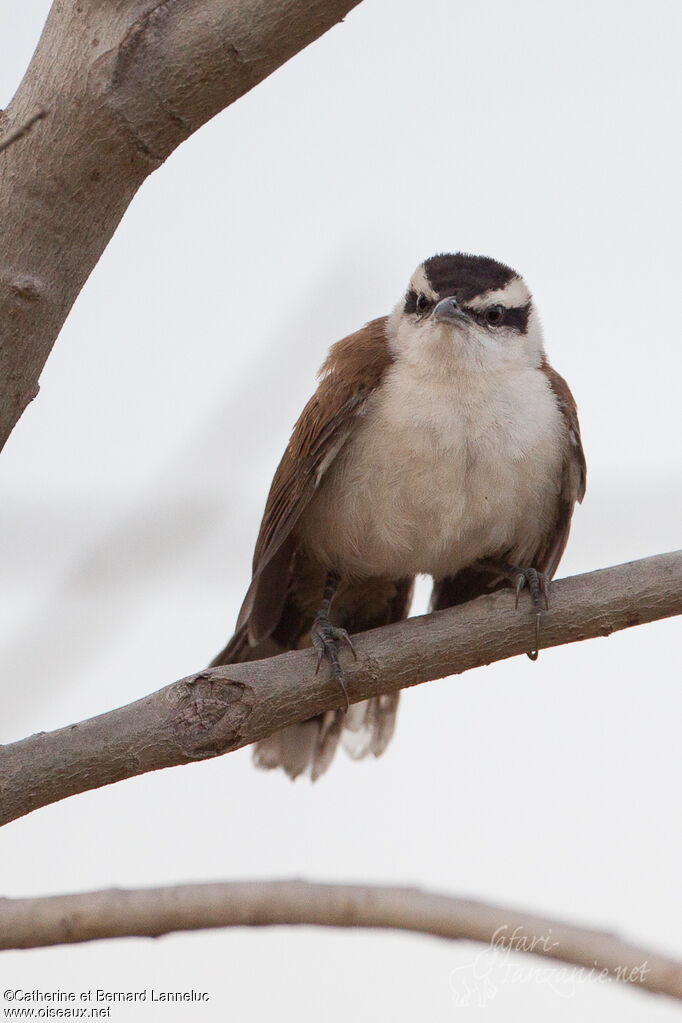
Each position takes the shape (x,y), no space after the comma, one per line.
(22,130)
(125,83)
(222,709)
(62,919)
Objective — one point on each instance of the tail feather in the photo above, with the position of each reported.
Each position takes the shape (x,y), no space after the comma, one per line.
(292,749)
(370,725)
(330,729)
(309,747)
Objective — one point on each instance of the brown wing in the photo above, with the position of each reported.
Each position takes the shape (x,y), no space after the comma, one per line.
(573,476)
(472,582)
(350,373)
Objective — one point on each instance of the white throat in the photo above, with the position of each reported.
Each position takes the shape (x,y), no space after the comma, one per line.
(457,457)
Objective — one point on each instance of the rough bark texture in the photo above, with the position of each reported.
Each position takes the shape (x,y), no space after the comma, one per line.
(222,709)
(124,83)
(62,919)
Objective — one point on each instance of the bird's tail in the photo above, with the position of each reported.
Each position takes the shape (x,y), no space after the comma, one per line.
(364,728)
(309,747)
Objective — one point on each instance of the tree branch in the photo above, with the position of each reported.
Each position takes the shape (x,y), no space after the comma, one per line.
(22,130)
(125,84)
(63,919)
(222,709)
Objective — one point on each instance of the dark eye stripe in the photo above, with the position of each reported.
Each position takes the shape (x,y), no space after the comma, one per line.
(410,302)
(516,318)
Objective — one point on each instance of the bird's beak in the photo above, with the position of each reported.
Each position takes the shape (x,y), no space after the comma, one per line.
(447,311)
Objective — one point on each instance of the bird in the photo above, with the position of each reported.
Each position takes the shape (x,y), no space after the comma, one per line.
(440,442)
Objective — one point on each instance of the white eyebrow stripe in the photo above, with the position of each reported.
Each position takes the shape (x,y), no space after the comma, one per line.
(513,295)
(420,282)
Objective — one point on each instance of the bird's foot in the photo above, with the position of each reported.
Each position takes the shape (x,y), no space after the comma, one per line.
(326,638)
(538,587)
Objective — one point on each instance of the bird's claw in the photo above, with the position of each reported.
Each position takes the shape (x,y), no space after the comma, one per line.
(326,638)
(538,586)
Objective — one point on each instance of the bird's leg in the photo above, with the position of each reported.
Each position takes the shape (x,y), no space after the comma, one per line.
(538,586)
(326,637)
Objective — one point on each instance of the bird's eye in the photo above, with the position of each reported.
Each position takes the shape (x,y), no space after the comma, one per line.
(422,303)
(494,315)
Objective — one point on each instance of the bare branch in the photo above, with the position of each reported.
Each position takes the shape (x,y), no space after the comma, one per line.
(23,130)
(125,84)
(221,709)
(150,912)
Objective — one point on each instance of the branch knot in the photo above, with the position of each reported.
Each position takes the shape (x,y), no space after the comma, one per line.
(211,714)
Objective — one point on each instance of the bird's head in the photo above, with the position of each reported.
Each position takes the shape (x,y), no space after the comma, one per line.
(461,310)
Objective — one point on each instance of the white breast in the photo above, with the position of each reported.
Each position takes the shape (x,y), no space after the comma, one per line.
(439,473)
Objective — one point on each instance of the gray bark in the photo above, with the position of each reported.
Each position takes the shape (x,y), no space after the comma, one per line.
(61,919)
(221,709)
(124,83)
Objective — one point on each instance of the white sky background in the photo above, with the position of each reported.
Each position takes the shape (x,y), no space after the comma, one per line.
(132,488)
